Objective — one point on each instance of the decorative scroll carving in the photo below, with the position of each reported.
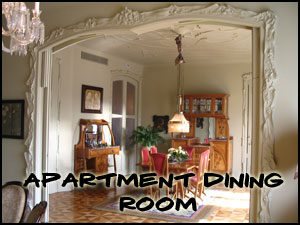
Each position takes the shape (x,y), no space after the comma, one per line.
(129,18)
(268,92)
(30,99)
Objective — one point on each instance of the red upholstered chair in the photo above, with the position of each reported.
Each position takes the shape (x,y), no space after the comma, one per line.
(197,182)
(145,155)
(153,150)
(159,165)
(207,140)
(190,150)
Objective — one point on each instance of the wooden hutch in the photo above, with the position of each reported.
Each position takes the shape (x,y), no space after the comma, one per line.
(96,142)
(214,106)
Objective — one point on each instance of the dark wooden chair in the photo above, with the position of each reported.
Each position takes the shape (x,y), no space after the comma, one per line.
(37,213)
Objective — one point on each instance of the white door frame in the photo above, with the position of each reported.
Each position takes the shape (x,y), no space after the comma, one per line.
(130,21)
(136,79)
(247,123)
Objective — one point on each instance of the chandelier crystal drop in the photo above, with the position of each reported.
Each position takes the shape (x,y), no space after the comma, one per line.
(20,28)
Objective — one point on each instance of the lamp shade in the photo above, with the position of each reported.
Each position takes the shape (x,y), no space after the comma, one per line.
(179,124)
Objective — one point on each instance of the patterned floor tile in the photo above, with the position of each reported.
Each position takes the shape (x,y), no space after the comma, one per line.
(75,206)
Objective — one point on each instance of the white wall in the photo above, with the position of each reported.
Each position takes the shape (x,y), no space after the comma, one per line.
(74,73)
(198,79)
(284,202)
(13,88)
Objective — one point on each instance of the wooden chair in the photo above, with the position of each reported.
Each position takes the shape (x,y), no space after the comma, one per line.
(145,155)
(197,182)
(146,152)
(158,163)
(37,213)
(190,150)
(153,149)
(14,202)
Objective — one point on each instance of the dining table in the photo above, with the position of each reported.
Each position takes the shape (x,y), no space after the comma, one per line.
(176,168)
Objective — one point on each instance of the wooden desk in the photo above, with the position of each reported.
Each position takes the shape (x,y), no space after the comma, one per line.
(96,142)
(97,158)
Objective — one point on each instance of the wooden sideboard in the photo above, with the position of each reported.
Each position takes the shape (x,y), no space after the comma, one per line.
(220,153)
(96,142)
(221,156)
(221,148)
(176,142)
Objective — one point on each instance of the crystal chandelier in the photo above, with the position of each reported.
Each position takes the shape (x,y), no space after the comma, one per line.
(21,30)
(179,123)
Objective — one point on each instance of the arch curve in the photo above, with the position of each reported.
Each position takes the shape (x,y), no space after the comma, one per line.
(131,21)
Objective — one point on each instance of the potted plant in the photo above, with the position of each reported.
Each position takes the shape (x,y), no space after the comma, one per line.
(146,136)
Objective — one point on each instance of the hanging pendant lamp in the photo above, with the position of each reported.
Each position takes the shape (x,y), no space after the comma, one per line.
(179,123)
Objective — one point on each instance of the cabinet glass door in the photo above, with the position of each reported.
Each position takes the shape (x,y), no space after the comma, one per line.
(195,105)
(218,105)
(204,105)
(186,106)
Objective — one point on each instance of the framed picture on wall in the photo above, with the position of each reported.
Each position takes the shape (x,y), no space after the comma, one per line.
(161,123)
(13,119)
(91,99)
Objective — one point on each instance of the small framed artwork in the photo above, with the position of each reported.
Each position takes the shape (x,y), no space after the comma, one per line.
(161,123)
(13,119)
(91,99)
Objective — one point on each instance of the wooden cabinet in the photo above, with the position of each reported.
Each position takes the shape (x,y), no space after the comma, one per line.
(176,142)
(214,105)
(221,128)
(221,156)
(96,142)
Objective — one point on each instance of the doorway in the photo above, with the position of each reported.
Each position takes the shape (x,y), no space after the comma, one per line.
(251,20)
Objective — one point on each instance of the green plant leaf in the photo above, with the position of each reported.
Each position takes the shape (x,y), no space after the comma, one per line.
(146,136)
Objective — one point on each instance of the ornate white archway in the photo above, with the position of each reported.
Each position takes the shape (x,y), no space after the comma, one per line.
(130,21)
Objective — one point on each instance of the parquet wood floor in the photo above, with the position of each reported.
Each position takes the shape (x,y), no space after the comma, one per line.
(74,206)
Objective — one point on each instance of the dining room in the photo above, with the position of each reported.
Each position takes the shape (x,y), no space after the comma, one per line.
(206,69)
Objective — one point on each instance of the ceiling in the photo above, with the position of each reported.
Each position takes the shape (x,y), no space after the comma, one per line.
(201,44)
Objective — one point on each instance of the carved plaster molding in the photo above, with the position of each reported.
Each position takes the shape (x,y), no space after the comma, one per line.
(247,78)
(127,73)
(129,18)
(30,99)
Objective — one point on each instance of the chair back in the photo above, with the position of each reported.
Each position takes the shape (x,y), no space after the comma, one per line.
(159,164)
(37,213)
(153,150)
(203,166)
(145,155)
(207,140)
(190,150)
(14,202)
